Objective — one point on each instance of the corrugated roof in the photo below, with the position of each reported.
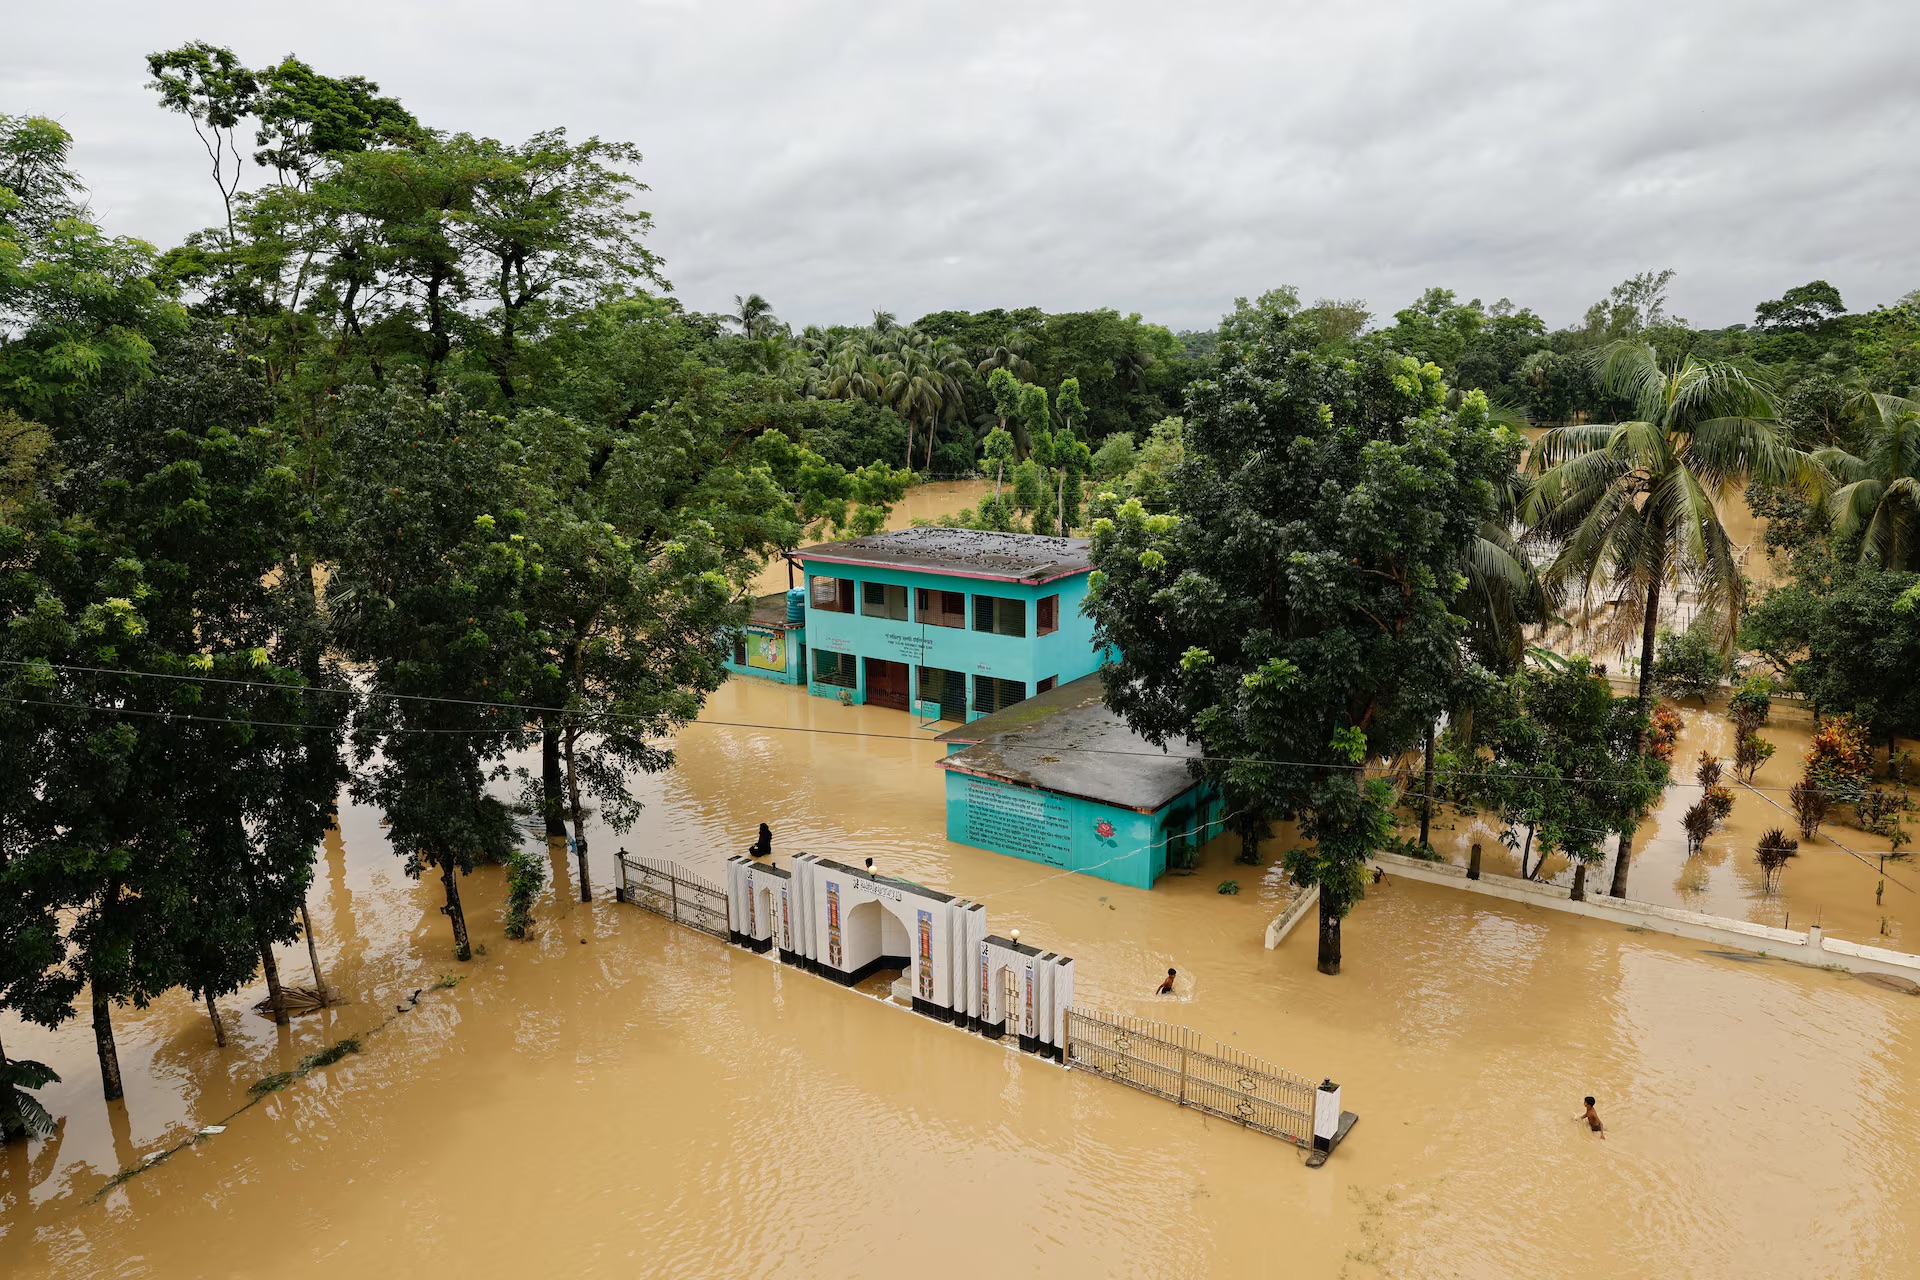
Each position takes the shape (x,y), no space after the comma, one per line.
(1067,741)
(972,553)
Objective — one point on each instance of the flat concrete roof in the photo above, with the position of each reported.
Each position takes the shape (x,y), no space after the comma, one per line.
(1066,740)
(967,553)
(771,611)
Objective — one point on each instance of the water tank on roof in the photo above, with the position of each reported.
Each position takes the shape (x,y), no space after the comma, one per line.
(797,605)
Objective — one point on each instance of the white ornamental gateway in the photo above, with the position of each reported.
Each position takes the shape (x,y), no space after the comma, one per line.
(846,924)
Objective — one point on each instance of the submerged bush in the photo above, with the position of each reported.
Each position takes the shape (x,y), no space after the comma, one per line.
(1775,847)
(526,877)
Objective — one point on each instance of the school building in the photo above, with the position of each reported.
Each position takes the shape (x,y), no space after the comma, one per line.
(950,624)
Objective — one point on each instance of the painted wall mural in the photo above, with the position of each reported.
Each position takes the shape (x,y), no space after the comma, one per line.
(767,650)
(836,955)
(926,955)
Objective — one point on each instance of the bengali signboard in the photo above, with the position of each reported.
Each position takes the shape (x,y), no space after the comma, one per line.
(1027,824)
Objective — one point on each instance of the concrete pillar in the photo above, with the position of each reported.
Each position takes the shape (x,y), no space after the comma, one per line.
(1473,863)
(1326,1115)
(1816,938)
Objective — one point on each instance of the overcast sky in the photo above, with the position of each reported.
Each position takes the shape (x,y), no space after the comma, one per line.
(843,157)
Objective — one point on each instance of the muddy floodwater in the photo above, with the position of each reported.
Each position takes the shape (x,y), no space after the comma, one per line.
(619,1096)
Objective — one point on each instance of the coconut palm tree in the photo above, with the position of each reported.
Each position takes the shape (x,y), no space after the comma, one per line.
(1630,506)
(1878,498)
(1505,593)
(923,385)
(754,316)
(1010,355)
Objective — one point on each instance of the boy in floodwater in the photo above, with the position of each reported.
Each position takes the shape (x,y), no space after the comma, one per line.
(1166,985)
(1592,1118)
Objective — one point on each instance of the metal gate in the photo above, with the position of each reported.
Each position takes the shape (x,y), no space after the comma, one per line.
(1167,1060)
(669,889)
(1011,1004)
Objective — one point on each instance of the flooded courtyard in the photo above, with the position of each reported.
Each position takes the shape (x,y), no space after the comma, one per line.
(620,1096)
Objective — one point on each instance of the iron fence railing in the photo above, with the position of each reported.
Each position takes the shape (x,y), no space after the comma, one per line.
(1168,1061)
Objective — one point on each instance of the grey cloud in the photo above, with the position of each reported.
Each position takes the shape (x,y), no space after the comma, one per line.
(842,157)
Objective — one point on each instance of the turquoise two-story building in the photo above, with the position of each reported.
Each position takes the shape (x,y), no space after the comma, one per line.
(950,624)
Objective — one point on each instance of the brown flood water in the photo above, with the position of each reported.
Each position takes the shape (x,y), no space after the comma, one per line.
(619,1096)
(650,1101)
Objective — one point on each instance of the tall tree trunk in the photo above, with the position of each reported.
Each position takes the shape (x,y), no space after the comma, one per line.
(1426,796)
(462,949)
(313,953)
(550,767)
(1060,503)
(579,824)
(275,999)
(1624,857)
(932,427)
(1329,962)
(103,1045)
(213,1015)
(1525,849)
(999,470)
(11,1125)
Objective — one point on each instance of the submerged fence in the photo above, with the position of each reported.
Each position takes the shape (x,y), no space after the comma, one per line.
(669,889)
(1167,1061)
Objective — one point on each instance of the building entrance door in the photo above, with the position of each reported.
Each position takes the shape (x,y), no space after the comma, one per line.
(887,684)
(1011,1002)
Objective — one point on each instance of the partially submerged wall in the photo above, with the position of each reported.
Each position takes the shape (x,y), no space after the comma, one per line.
(1812,947)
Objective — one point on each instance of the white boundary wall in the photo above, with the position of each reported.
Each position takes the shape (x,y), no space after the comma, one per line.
(1302,905)
(1812,947)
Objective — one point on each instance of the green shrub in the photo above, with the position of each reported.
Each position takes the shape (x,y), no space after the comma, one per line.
(1688,664)
(526,877)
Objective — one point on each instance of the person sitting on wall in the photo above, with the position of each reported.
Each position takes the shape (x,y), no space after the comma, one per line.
(1166,985)
(762,847)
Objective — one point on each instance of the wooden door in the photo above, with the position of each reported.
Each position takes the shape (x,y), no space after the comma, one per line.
(886,684)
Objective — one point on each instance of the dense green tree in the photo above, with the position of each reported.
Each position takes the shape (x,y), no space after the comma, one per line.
(640,545)
(1851,648)
(1292,611)
(429,594)
(1564,763)
(1629,506)
(1801,307)
(79,310)
(1114,458)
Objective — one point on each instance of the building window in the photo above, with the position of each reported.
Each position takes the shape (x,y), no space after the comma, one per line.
(1046,615)
(990,693)
(940,608)
(832,595)
(948,688)
(878,600)
(835,669)
(1000,615)
(1046,684)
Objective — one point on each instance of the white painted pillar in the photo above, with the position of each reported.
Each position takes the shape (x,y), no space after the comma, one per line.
(1326,1115)
(1816,938)
(736,895)
(1043,999)
(1062,999)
